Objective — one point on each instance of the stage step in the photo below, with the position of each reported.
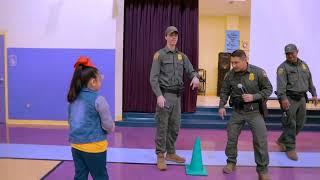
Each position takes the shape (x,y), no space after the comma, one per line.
(208,118)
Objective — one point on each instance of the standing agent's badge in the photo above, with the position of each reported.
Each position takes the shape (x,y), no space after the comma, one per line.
(179,57)
(304,67)
(251,76)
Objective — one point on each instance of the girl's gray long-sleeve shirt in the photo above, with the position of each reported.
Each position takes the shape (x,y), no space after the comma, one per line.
(102,107)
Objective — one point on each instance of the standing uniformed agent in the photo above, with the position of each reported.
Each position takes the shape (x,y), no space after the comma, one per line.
(166,79)
(293,81)
(248,86)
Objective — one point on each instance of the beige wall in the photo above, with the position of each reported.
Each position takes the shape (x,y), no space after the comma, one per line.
(244,27)
(212,41)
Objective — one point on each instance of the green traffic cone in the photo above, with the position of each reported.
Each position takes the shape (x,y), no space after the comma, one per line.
(196,167)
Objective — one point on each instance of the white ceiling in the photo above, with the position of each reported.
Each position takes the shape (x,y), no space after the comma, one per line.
(224,8)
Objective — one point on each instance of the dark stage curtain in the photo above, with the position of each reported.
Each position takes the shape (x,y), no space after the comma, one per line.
(144,24)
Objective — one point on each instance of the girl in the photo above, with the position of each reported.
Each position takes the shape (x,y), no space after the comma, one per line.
(89,120)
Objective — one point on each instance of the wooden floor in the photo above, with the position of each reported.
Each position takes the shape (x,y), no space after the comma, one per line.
(17,169)
(272,104)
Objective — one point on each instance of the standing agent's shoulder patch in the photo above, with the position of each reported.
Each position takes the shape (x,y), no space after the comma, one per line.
(280,71)
(156,56)
(226,76)
(304,67)
(264,73)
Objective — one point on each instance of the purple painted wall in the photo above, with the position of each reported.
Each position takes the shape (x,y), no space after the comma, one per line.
(39,80)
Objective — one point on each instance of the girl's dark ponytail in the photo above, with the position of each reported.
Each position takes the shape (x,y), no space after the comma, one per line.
(75,85)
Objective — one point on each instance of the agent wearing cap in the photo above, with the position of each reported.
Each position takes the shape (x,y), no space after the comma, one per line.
(247,86)
(166,79)
(293,81)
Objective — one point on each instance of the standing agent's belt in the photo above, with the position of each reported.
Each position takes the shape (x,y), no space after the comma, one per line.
(178,92)
(238,104)
(297,95)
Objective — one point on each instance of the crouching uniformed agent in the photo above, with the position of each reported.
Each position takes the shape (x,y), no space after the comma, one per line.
(248,87)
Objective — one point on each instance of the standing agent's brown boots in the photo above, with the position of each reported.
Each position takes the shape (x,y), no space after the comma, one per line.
(161,163)
(281,146)
(229,168)
(175,158)
(264,176)
(292,154)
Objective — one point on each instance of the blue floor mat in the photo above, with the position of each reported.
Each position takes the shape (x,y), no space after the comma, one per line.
(147,156)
